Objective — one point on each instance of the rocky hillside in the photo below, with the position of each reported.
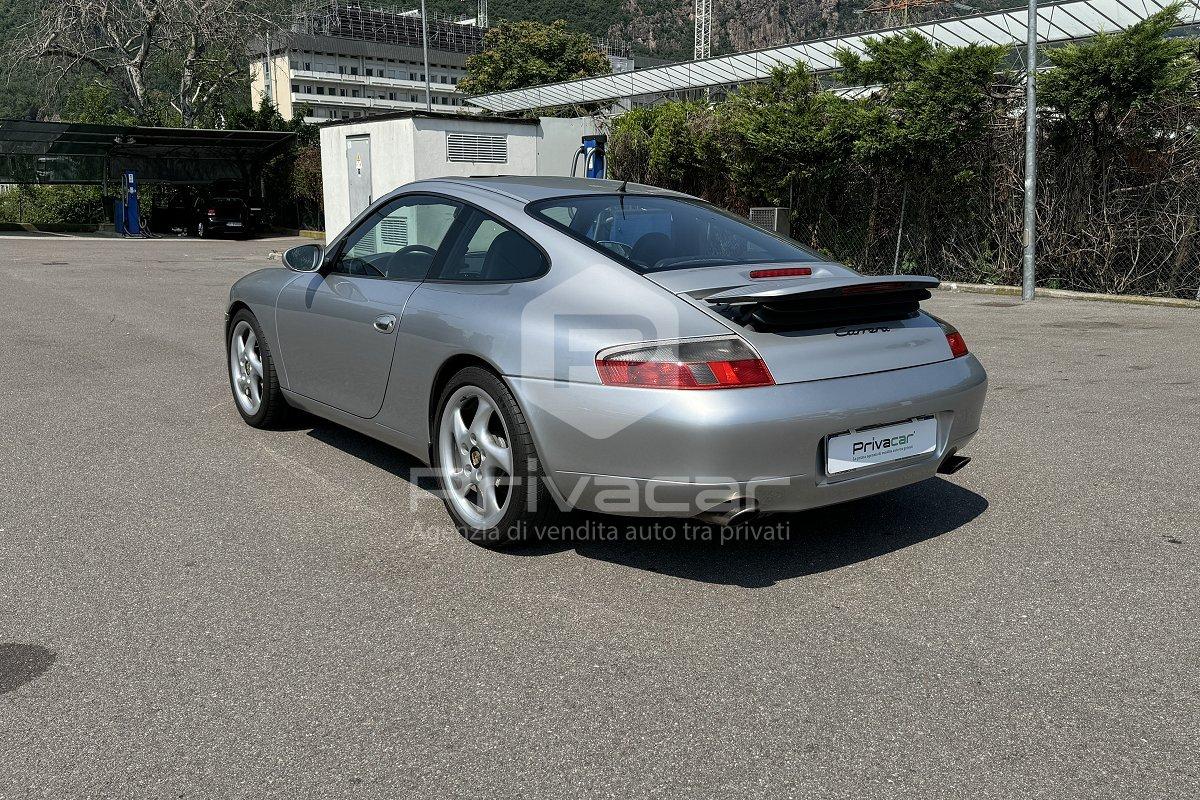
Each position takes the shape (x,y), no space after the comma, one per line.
(664,28)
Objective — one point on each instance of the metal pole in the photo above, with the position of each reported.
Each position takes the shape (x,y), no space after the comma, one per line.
(900,230)
(1030,235)
(425,52)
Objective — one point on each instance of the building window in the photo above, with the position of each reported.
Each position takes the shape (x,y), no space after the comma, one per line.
(354,92)
(488,148)
(341,70)
(342,92)
(370,72)
(308,66)
(296,88)
(320,90)
(354,70)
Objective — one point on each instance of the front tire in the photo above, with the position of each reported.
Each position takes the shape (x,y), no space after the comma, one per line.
(491,477)
(252,376)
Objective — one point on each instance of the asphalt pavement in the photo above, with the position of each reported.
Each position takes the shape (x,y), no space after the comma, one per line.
(193,608)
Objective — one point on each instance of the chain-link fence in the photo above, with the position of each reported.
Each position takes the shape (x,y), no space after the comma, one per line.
(1126,221)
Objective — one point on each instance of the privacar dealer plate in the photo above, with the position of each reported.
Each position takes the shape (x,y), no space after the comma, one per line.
(857,449)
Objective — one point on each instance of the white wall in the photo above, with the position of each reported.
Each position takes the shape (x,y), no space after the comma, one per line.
(430,147)
(392,165)
(558,141)
(414,148)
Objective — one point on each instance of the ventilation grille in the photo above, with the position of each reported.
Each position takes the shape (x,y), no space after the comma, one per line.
(773,218)
(367,246)
(394,232)
(484,148)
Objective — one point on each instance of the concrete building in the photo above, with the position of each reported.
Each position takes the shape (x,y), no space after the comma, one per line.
(345,61)
(364,160)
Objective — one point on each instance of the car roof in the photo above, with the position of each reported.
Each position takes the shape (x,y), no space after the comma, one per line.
(543,187)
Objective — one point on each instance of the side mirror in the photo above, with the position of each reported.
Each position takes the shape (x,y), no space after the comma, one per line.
(304,258)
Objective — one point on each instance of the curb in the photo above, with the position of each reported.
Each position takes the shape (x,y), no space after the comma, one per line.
(311,234)
(1065,294)
(49,227)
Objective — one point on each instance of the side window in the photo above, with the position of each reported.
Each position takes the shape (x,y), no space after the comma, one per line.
(488,250)
(400,241)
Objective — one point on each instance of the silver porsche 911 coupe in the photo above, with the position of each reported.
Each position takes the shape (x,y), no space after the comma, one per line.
(553,343)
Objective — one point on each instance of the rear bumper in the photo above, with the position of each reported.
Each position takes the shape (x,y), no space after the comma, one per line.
(647,452)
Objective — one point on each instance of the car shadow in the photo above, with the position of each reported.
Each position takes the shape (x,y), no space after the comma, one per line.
(779,547)
(753,556)
(374,452)
(22,663)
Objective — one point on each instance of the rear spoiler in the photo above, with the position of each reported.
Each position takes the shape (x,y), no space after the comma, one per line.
(804,288)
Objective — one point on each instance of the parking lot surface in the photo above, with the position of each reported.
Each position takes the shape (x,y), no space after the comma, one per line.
(193,608)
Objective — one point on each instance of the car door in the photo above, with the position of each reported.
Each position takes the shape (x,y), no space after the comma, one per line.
(470,304)
(337,327)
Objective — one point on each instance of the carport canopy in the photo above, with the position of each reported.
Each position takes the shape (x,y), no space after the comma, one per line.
(60,152)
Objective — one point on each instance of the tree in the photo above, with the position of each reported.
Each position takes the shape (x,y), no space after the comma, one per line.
(191,48)
(931,102)
(1093,86)
(520,54)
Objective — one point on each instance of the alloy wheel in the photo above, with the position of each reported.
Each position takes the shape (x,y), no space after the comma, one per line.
(245,368)
(476,457)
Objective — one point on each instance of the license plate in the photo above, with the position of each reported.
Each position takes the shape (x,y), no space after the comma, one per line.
(233,224)
(858,449)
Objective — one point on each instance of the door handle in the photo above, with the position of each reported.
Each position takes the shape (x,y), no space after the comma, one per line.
(385,323)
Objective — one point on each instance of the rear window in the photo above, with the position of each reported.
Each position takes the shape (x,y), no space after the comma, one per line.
(225,205)
(652,234)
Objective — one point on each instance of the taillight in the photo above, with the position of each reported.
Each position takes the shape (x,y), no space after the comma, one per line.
(695,364)
(782,272)
(958,345)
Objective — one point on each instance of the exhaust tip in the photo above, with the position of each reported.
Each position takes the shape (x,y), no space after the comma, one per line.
(953,463)
(733,512)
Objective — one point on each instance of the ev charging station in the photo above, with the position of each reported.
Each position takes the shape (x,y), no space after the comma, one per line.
(593,155)
(126,213)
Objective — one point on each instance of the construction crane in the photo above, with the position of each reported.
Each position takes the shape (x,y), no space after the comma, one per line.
(897,10)
(703,29)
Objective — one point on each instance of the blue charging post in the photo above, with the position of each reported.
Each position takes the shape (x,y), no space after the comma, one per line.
(593,155)
(129,222)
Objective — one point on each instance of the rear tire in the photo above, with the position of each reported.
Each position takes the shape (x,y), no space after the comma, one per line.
(490,475)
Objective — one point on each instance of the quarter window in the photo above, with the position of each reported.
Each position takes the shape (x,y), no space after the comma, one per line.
(488,250)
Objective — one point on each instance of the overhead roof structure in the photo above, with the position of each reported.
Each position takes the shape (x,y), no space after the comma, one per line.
(1057,23)
(59,152)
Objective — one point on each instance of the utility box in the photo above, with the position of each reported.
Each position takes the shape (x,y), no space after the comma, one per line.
(773,218)
(364,159)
